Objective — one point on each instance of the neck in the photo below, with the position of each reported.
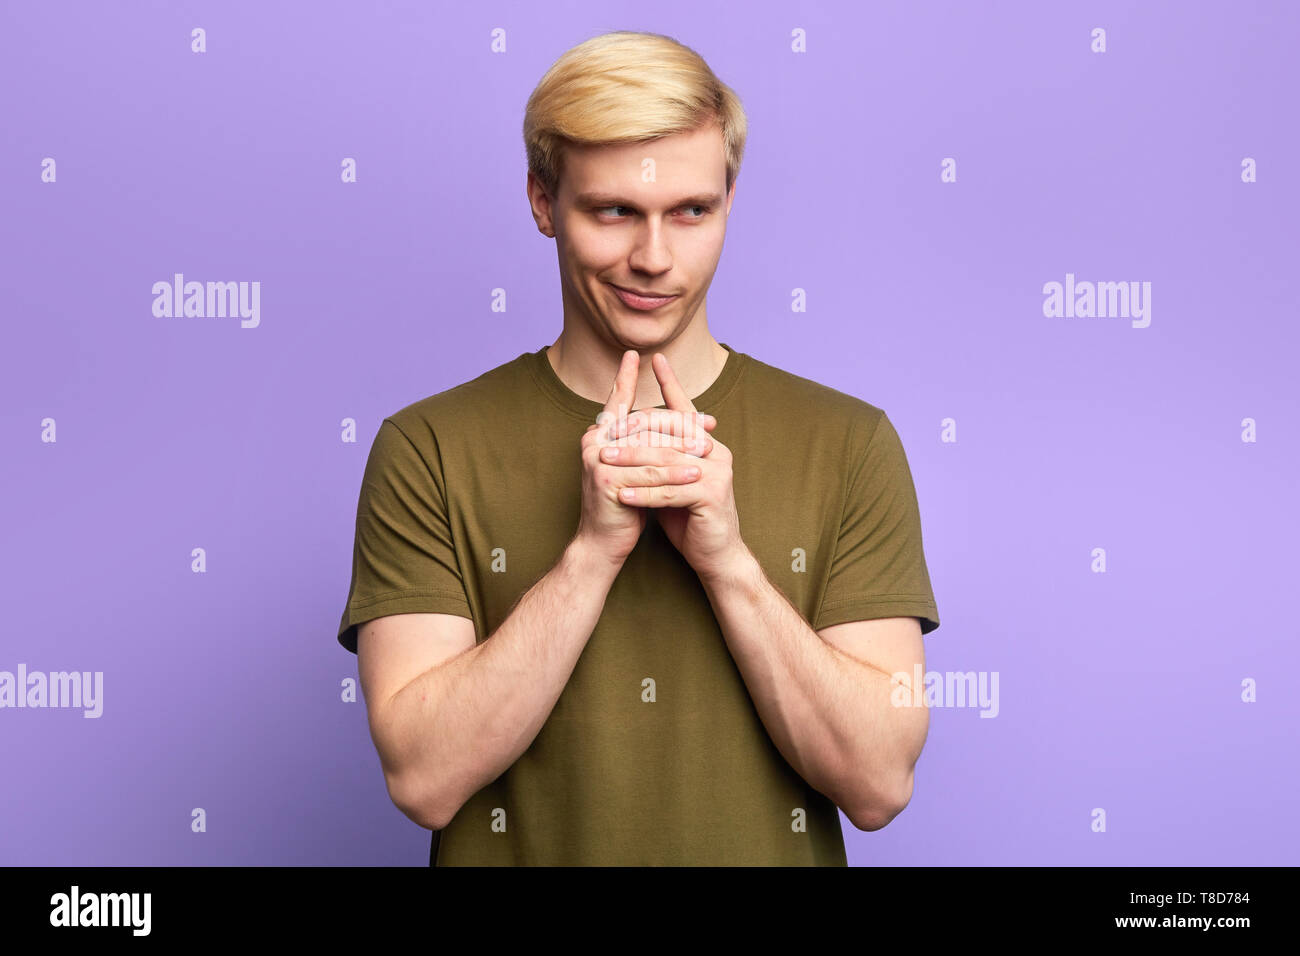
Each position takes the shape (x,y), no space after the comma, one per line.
(587,364)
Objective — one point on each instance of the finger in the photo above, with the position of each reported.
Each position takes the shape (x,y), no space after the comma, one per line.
(616,433)
(670,451)
(687,424)
(619,404)
(675,396)
(643,446)
(656,476)
(663,496)
(624,380)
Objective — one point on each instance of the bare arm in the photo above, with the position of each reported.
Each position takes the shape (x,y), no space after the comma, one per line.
(826,697)
(448,716)
(461,722)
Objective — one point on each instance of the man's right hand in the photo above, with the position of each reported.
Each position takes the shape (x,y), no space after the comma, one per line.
(606,525)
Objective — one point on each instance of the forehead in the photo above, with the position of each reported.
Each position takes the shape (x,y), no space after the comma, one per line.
(690,162)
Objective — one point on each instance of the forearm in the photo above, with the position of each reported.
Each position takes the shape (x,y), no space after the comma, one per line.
(830,715)
(467,720)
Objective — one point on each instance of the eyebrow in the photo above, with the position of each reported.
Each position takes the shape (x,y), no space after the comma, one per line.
(707,200)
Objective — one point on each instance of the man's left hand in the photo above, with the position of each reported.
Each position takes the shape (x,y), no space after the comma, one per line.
(698,517)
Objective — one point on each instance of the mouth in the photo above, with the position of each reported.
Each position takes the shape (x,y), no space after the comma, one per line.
(642,301)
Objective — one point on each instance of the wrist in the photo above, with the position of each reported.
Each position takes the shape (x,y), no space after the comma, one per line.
(740,570)
(584,556)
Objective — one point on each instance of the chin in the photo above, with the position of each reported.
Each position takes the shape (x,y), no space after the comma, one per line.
(644,333)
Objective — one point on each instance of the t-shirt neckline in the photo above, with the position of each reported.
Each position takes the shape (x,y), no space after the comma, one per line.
(587,409)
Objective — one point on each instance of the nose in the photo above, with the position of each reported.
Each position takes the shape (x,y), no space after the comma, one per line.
(650,253)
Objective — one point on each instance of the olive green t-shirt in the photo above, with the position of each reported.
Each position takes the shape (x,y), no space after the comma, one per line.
(470,496)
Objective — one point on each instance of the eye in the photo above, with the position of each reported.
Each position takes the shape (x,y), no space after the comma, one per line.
(604,211)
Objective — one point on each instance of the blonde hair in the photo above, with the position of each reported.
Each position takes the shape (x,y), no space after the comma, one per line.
(627,87)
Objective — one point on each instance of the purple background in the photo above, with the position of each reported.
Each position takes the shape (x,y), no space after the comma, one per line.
(222,690)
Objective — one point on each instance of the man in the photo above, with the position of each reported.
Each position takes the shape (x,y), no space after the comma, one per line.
(572,656)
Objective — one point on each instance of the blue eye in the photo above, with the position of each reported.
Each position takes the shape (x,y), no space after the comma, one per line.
(604,210)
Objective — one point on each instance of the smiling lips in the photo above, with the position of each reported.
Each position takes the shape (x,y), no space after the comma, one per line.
(642,303)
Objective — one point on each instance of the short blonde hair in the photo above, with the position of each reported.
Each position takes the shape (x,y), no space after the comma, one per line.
(627,87)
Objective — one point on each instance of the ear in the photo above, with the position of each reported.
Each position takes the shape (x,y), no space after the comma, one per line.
(542,204)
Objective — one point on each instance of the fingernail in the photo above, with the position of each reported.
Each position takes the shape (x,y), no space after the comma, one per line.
(611,453)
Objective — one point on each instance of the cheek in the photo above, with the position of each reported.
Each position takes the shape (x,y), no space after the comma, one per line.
(586,240)
(710,247)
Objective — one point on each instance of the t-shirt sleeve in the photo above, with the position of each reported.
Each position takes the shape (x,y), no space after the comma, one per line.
(879,565)
(403,557)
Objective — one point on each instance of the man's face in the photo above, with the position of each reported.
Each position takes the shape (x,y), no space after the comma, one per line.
(645,217)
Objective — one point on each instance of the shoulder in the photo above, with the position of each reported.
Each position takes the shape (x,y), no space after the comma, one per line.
(830,414)
(469,405)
